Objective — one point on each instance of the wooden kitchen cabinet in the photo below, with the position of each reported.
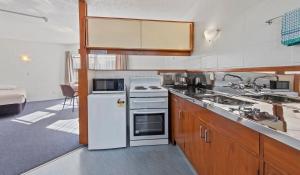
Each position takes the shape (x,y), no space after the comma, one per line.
(230,158)
(140,37)
(214,151)
(166,35)
(174,114)
(177,131)
(201,160)
(279,159)
(270,170)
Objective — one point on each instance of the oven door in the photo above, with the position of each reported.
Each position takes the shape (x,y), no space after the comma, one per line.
(147,124)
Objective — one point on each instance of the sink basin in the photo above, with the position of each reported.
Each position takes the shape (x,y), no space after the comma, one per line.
(274,98)
(220,99)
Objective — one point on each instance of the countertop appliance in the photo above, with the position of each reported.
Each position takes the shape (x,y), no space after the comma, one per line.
(107,115)
(112,85)
(148,120)
(279,85)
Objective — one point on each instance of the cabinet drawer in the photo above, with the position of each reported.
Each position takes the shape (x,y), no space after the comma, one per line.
(140,103)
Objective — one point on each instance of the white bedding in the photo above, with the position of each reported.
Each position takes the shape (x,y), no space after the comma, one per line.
(12,96)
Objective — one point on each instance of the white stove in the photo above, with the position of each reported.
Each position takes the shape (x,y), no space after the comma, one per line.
(147,87)
(148,112)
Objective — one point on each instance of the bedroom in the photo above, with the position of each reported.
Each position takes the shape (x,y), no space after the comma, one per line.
(34,128)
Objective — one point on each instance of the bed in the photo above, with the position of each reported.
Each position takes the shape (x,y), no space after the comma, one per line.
(12,100)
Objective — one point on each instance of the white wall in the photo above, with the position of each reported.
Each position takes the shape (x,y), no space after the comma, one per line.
(246,40)
(42,76)
(157,62)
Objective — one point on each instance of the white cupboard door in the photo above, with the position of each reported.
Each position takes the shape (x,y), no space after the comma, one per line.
(114,33)
(161,35)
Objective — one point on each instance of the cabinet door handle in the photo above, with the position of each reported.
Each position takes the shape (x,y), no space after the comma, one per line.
(180,115)
(201,131)
(206,136)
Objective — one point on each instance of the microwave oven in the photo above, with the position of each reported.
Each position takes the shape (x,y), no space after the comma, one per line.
(112,85)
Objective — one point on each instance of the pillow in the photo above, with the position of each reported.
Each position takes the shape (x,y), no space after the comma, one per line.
(7,87)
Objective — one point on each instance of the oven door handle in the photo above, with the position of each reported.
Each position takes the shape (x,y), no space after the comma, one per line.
(157,101)
(156,112)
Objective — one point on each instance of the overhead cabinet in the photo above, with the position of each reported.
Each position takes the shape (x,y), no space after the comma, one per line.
(139,35)
(113,33)
(166,35)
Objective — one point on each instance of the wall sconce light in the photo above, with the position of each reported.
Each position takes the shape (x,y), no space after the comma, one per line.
(211,35)
(25,58)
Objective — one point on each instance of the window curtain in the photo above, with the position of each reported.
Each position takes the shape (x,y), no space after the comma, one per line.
(121,62)
(69,71)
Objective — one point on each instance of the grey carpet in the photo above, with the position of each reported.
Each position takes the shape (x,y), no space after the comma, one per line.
(144,160)
(24,146)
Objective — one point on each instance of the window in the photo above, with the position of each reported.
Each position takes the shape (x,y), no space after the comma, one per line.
(76,61)
(105,62)
(96,62)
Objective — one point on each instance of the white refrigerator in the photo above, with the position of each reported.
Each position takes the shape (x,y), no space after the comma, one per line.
(107,121)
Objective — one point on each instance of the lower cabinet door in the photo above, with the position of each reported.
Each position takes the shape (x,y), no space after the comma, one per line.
(175,109)
(201,157)
(270,170)
(229,158)
(180,136)
(188,135)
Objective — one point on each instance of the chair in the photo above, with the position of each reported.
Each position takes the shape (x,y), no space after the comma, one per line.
(69,93)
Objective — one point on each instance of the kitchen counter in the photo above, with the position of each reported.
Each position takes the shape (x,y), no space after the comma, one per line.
(280,121)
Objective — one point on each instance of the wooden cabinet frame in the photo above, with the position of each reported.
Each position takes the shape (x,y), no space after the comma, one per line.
(85,50)
(139,51)
(234,149)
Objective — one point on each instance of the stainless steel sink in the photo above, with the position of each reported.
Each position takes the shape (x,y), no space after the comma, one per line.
(220,99)
(274,98)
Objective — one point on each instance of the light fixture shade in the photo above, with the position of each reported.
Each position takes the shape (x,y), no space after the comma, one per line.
(25,58)
(210,35)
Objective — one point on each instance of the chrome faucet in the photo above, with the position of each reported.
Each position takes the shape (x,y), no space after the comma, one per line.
(239,85)
(257,87)
(265,76)
(231,75)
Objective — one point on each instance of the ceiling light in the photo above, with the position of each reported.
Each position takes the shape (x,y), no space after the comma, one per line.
(211,34)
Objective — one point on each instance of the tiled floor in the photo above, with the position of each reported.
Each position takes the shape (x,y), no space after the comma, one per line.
(145,160)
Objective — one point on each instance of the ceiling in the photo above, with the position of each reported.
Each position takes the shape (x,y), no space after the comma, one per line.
(62,26)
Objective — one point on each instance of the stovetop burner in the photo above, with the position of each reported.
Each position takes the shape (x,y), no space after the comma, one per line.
(140,88)
(154,87)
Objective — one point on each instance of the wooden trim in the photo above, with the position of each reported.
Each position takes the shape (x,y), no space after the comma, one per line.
(138,19)
(83,76)
(141,52)
(297,83)
(135,49)
(171,71)
(259,69)
(261,155)
(279,69)
(192,36)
